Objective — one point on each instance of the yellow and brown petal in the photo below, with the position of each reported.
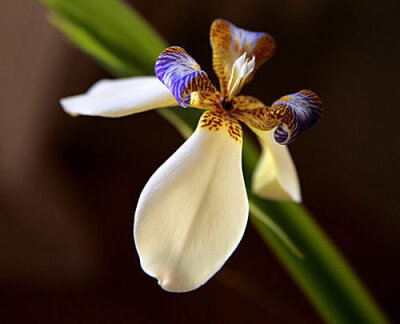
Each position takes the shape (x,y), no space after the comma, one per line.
(205,100)
(252,112)
(230,42)
(219,121)
(291,115)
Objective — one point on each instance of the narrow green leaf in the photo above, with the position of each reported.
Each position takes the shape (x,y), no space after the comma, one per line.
(85,41)
(119,29)
(260,216)
(122,41)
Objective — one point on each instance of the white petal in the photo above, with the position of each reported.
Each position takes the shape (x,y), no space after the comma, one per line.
(275,176)
(193,211)
(241,70)
(121,97)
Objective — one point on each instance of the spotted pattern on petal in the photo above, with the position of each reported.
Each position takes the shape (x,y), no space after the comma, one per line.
(252,112)
(205,100)
(217,121)
(295,113)
(181,74)
(230,42)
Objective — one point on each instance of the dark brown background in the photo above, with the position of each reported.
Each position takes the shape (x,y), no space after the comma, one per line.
(68,187)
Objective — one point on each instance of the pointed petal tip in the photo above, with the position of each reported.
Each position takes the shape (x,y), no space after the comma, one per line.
(295,197)
(165,283)
(168,280)
(275,190)
(169,285)
(298,199)
(171,279)
(64,102)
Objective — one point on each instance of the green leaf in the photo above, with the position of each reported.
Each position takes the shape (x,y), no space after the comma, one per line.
(125,44)
(120,30)
(265,221)
(86,42)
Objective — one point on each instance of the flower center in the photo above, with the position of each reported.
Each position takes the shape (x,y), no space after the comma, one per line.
(226,104)
(241,71)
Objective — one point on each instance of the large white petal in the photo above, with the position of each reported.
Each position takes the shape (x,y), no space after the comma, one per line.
(120,97)
(193,211)
(275,176)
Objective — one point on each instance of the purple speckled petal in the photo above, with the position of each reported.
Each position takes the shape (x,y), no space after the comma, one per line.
(181,74)
(296,113)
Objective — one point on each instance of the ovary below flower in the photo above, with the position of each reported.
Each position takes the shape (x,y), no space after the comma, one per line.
(192,213)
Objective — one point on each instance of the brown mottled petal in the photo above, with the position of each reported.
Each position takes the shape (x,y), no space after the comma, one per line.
(252,112)
(205,100)
(230,42)
(217,121)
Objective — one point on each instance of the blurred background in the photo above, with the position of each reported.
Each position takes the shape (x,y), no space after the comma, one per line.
(69,186)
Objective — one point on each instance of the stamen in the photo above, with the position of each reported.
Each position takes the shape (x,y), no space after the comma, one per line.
(241,70)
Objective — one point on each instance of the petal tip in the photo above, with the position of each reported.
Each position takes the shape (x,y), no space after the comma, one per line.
(64,102)
(296,197)
(168,285)
(165,283)
(275,191)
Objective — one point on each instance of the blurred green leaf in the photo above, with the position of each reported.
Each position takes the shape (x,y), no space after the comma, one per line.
(126,45)
(86,42)
(116,27)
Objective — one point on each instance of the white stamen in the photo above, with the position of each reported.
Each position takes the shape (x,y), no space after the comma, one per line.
(241,70)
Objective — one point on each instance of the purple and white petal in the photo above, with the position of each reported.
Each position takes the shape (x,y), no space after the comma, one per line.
(296,113)
(182,75)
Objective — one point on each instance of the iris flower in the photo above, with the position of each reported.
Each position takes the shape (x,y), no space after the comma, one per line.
(192,213)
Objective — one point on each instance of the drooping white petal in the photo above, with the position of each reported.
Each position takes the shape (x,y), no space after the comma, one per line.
(192,213)
(275,176)
(121,97)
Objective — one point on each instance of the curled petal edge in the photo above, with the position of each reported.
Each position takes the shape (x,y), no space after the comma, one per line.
(182,75)
(294,114)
